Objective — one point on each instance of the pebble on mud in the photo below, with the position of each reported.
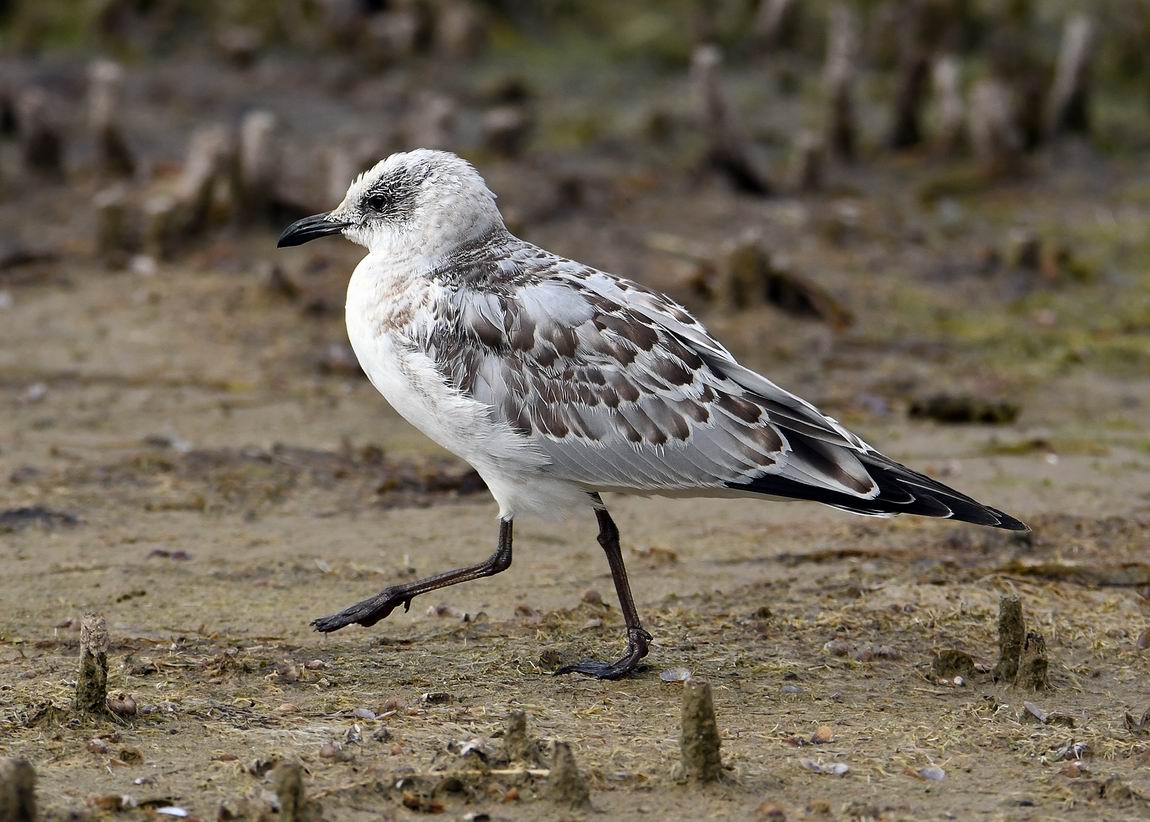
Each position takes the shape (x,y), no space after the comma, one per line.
(286,672)
(17,790)
(1011,632)
(565,785)
(92,684)
(1073,769)
(873,652)
(772,811)
(822,735)
(699,734)
(932,772)
(592,597)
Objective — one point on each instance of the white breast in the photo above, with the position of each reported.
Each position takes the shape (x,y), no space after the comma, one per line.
(385,308)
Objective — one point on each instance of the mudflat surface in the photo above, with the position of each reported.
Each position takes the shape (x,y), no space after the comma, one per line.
(190,453)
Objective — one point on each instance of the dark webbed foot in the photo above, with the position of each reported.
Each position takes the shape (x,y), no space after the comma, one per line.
(637,643)
(365,613)
(373,609)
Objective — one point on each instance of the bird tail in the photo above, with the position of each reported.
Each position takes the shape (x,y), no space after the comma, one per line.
(901,491)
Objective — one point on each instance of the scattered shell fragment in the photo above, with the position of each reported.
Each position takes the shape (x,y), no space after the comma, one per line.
(838,647)
(122,705)
(873,652)
(1032,711)
(675,675)
(829,768)
(1139,725)
(1071,751)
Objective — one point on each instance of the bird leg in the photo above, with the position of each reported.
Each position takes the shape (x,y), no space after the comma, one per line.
(373,609)
(637,637)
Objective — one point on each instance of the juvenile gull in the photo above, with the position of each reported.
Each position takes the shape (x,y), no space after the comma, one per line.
(558,382)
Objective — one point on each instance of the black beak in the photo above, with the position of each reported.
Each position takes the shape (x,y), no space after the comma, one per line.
(310,228)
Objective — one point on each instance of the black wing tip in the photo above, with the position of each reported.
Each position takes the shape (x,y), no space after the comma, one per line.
(936,502)
(1007,522)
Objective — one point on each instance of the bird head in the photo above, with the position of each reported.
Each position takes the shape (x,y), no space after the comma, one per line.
(414,202)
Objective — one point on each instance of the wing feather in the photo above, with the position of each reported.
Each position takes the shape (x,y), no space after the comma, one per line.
(619,387)
(622,388)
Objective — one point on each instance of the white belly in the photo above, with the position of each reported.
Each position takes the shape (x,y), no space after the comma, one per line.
(514,470)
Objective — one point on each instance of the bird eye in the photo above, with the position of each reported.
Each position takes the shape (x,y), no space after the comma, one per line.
(377,201)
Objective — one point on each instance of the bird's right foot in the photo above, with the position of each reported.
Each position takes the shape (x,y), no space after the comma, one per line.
(637,641)
(365,613)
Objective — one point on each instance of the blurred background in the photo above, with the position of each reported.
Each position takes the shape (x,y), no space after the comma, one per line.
(960,176)
(929,217)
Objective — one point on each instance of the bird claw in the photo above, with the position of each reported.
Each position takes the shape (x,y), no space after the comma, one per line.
(365,613)
(637,640)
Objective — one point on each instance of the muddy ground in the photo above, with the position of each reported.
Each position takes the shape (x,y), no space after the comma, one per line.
(186,448)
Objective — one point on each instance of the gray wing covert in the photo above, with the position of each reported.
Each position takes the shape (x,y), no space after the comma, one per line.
(610,396)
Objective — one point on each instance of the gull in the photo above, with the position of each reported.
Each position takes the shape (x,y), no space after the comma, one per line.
(558,382)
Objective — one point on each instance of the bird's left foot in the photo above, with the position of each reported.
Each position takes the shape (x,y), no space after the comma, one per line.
(637,643)
(366,613)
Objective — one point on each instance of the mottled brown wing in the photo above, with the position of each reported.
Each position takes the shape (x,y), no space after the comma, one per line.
(620,390)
